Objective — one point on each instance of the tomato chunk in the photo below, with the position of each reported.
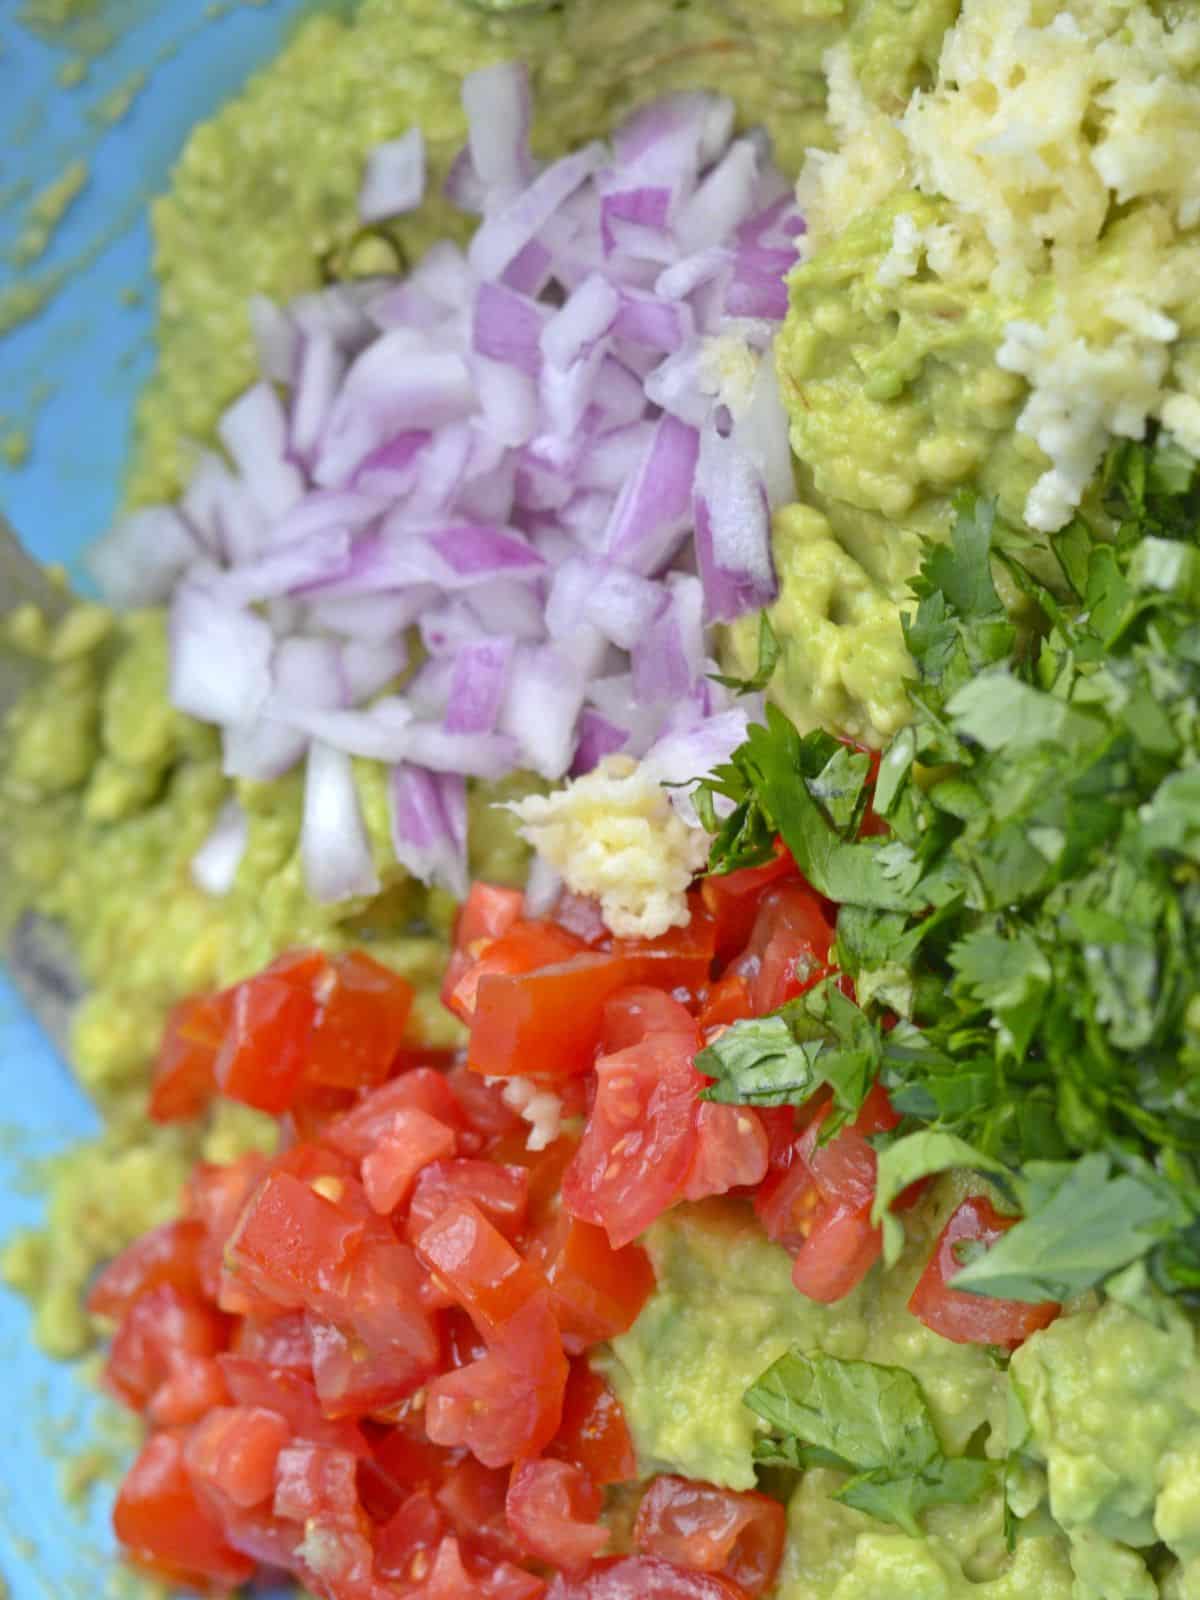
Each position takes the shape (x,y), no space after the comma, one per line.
(294,1398)
(185,1067)
(594,1433)
(973,1318)
(644,1578)
(597,1291)
(390,1170)
(552,1508)
(488,911)
(731,1151)
(403,1544)
(357,1131)
(479,1267)
(500,1192)
(167,1254)
(362,1012)
(732,898)
(265,1049)
(165,1526)
(740,1535)
(152,1363)
(640,1140)
(524,947)
(788,949)
(232,1452)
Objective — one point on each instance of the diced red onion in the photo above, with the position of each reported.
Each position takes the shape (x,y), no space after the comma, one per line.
(581,322)
(275,338)
(499,110)
(542,888)
(649,518)
(429,825)
(598,737)
(733,529)
(334,847)
(254,431)
(220,657)
(320,368)
(478,687)
(545,696)
(394,179)
(507,327)
(502,237)
(139,559)
(473,755)
(214,866)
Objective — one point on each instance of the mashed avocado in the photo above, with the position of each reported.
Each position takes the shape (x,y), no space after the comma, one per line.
(997,284)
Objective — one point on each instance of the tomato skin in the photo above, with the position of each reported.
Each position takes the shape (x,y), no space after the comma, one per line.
(362,1013)
(167,1254)
(552,1508)
(279,1341)
(357,1131)
(233,1451)
(265,1049)
(597,1291)
(500,1192)
(356,1380)
(633,1014)
(697,1525)
(403,1543)
(971,1318)
(549,1023)
(294,1398)
(732,898)
(481,1270)
(732,1151)
(185,1068)
(640,1139)
(644,1578)
(152,1360)
(524,947)
(166,1528)
(728,1001)
(391,1169)
(788,949)
(594,1434)
(488,912)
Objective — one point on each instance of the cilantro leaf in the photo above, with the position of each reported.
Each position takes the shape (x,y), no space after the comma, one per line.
(870,1421)
(915,1156)
(759,1062)
(769,652)
(1082,1223)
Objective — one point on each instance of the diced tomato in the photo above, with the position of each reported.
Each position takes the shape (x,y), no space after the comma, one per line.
(497,1410)
(728,1001)
(643,1578)
(473,1497)
(265,1049)
(488,1117)
(634,1013)
(597,1291)
(817,1201)
(500,1192)
(788,949)
(279,1341)
(292,1242)
(740,1535)
(215,1196)
(167,1254)
(404,1543)
(594,1434)
(390,1170)
(166,1528)
(549,1023)
(452,1575)
(488,911)
(185,1067)
(161,1335)
(295,1399)
(354,1379)
(402,1460)
(525,947)
(482,1271)
(972,1318)
(233,1450)
(358,1131)
(362,1012)
(732,898)
(553,1508)
(317,1488)
(640,1140)
(731,1151)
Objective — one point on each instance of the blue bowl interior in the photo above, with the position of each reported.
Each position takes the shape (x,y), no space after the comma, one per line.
(69,380)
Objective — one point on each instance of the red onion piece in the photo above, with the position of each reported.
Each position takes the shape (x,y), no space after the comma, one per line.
(394,180)
(334,848)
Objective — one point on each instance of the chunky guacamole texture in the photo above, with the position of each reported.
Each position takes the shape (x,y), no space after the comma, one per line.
(1095,1418)
(996,283)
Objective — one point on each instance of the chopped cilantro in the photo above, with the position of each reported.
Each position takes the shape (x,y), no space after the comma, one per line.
(1025,945)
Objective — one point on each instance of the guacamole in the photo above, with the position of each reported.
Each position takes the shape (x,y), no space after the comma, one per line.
(976,314)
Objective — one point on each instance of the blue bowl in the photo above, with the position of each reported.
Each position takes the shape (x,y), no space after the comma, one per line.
(69,380)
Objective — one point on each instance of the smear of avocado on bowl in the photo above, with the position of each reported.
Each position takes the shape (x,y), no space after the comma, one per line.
(486,513)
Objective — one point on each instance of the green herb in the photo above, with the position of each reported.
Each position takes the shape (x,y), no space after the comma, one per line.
(870,1421)
(1033,920)
(769,651)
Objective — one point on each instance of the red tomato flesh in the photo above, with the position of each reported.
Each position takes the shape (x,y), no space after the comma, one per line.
(552,1509)
(740,1535)
(972,1318)
(166,1528)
